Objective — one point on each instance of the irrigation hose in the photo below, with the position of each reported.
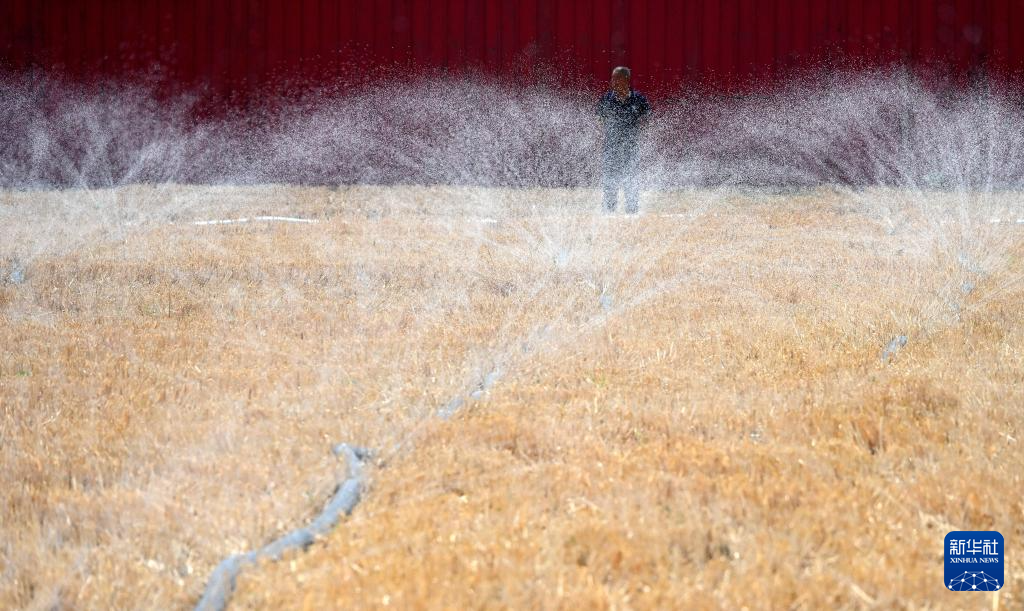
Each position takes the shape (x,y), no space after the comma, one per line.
(221,584)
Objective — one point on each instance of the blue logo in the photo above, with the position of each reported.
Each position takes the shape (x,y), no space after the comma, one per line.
(974,561)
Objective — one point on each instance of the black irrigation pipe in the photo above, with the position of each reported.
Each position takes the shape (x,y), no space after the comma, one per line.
(221,584)
(459,400)
(15,276)
(894,346)
(222,581)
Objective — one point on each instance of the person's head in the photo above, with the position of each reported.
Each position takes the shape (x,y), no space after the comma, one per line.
(620,80)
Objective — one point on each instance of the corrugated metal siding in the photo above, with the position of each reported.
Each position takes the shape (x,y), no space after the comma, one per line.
(725,45)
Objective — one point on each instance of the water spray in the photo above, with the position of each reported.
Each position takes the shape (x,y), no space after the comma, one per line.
(519,167)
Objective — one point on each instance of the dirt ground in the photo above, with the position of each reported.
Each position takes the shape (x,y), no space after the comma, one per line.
(688,409)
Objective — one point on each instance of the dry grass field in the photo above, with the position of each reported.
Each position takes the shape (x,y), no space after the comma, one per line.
(690,407)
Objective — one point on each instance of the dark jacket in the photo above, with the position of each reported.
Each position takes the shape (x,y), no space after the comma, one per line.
(624,119)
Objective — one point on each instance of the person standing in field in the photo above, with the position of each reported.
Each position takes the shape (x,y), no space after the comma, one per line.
(624,112)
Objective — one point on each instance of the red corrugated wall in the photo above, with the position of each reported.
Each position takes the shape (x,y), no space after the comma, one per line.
(243,47)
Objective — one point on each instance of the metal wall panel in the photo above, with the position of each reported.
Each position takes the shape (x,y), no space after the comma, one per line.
(242,47)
